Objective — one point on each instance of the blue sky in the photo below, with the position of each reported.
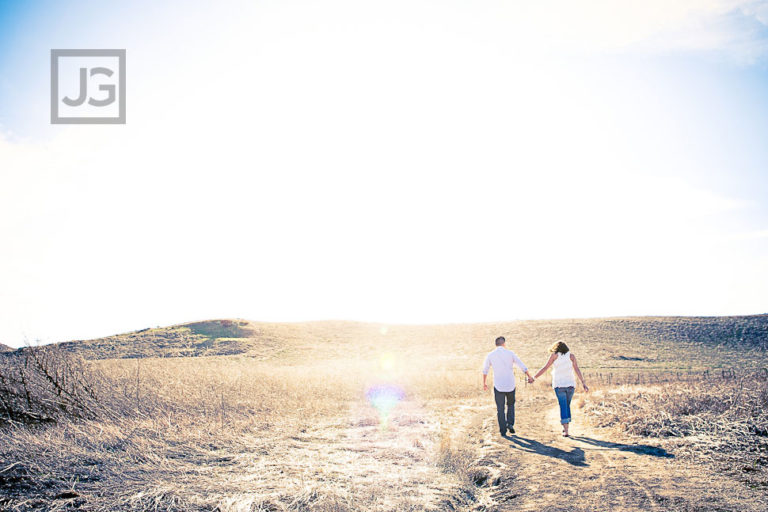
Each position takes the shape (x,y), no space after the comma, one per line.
(408,161)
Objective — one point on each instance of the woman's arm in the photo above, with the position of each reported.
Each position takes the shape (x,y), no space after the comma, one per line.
(578,372)
(546,366)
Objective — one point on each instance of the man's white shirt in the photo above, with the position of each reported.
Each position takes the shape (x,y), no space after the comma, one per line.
(503,361)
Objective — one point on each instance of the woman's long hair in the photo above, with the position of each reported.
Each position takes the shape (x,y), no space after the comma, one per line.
(559,347)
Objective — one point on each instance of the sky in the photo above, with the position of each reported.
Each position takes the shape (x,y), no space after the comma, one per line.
(409,161)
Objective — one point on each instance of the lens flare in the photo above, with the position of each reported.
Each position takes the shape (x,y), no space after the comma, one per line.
(384,398)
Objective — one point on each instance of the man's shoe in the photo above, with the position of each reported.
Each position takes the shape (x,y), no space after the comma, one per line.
(503,433)
(511,430)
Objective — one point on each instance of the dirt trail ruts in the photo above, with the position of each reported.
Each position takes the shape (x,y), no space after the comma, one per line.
(538,469)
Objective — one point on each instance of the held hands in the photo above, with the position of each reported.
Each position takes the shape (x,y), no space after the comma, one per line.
(530,380)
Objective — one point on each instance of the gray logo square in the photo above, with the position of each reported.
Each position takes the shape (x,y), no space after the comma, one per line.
(87,86)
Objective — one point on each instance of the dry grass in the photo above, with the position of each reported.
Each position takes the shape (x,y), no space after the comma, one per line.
(720,421)
(235,434)
(288,426)
(613,344)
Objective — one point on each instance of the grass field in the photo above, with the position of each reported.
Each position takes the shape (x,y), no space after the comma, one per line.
(347,416)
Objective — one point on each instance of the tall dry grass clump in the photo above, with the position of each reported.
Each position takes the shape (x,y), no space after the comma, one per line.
(723,420)
(715,407)
(47,385)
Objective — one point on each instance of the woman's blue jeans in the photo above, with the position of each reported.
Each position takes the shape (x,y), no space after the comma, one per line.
(564,396)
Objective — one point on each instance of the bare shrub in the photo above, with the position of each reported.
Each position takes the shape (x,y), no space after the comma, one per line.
(47,384)
(687,408)
(724,421)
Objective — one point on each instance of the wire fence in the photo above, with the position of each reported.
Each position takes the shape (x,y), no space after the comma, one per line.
(650,377)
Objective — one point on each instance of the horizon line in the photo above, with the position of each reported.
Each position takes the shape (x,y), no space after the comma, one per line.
(39,342)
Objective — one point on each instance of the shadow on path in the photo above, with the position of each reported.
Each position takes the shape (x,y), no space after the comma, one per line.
(641,449)
(574,457)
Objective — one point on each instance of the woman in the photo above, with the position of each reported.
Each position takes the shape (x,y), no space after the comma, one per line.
(563,365)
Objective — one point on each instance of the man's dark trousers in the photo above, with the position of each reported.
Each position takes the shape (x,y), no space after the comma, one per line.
(507,421)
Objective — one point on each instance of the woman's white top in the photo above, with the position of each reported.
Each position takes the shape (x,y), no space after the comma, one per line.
(562,371)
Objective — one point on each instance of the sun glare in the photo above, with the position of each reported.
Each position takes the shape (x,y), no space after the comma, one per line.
(387,361)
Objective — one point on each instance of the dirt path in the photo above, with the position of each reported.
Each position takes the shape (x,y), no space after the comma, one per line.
(354,461)
(351,461)
(537,469)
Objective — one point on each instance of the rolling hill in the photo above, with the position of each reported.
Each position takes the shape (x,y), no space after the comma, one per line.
(611,342)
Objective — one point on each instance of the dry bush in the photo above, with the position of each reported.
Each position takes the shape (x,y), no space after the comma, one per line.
(722,420)
(47,384)
(679,409)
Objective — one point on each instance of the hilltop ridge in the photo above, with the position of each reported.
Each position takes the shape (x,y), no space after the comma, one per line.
(613,339)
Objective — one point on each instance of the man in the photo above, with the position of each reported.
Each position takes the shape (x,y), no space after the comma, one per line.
(503,360)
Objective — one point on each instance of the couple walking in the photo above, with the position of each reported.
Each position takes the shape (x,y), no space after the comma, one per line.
(503,360)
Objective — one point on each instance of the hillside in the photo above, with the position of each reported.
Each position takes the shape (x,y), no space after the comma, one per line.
(210,338)
(6,348)
(605,343)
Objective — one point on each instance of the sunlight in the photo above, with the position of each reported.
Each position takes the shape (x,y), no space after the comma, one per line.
(387,361)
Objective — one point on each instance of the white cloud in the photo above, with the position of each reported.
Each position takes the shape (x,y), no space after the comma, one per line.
(730,28)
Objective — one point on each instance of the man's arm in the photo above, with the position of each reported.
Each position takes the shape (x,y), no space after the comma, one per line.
(519,362)
(530,379)
(486,367)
